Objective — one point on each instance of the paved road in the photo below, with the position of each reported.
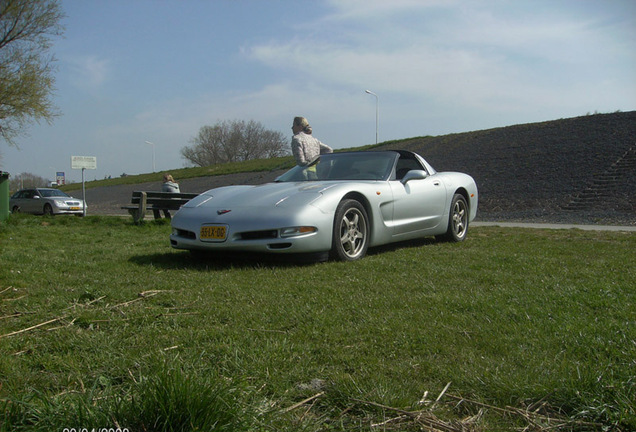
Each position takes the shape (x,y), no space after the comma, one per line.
(556,226)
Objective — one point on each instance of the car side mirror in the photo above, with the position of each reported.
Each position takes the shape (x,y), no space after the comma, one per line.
(414,175)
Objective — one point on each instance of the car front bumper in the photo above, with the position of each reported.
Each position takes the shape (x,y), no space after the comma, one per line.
(267,233)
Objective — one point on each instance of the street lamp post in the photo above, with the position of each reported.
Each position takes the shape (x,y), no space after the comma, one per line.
(153,155)
(377,112)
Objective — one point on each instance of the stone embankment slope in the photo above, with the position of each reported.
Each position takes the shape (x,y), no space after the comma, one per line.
(571,170)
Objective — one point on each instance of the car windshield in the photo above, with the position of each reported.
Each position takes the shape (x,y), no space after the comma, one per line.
(344,166)
(52,193)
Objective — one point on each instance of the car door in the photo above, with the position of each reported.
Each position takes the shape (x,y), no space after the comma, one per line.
(418,204)
(29,203)
(16,200)
(420,200)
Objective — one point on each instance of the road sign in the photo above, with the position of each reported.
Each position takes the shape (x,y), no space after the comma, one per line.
(83,162)
(60,179)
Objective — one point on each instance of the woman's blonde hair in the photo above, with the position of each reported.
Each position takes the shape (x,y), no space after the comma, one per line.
(302,122)
(168,178)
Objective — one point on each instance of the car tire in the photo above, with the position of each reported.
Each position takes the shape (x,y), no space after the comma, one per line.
(457,220)
(48,210)
(15,209)
(350,231)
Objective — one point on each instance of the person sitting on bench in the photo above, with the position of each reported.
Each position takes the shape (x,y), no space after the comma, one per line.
(169,185)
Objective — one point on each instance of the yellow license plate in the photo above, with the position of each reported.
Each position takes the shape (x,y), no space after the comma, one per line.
(74,208)
(213,232)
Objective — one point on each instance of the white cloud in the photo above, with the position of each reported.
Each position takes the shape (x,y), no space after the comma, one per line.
(366,9)
(88,72)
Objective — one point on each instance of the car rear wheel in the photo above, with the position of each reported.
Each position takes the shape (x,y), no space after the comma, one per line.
(48,210)
(15,209)
(350,231)
(457,219)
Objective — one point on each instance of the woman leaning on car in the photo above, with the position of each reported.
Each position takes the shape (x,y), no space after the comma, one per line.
(305,147)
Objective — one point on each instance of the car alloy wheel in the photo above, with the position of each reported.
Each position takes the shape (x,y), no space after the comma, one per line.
(350,231)
(458,223)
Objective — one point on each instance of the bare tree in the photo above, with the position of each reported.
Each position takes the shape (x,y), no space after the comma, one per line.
(234,141)
(26,180)
(26,71)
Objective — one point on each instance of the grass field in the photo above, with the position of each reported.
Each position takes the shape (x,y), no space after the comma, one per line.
(103,325)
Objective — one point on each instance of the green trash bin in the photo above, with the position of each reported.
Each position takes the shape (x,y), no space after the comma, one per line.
(4,196)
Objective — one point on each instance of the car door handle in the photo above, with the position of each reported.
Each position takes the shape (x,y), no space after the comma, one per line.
(436,183)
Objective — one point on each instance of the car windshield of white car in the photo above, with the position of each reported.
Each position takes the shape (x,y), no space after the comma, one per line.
(50,193)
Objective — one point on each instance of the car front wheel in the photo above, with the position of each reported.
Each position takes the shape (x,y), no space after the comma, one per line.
(48,210)
(457,219)
(350,231)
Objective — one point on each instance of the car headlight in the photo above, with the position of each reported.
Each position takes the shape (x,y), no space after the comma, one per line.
(59,203)
(297,231)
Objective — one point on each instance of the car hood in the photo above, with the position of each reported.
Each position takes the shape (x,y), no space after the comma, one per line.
(265,195)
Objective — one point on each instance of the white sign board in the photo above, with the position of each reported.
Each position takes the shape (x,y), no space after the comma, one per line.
(83,162)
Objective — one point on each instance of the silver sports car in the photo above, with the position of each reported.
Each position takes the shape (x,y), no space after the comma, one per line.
(341,203)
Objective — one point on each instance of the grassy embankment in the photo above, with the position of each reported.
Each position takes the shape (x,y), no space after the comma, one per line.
(256,165)
(192,172)
(102,324)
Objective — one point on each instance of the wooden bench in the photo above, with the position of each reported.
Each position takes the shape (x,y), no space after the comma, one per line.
(158,202)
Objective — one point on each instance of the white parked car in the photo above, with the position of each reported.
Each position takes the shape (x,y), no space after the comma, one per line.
(45,201)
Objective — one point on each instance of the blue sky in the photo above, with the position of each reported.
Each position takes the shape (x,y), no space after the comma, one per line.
(131,71)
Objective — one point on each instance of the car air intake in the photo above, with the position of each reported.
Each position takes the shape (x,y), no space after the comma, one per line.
(257,235)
